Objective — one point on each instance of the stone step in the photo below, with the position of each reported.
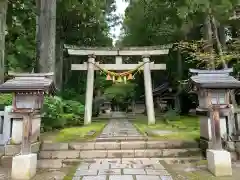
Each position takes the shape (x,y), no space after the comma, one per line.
(120,145)
(6,161)
(59,163)
(133,153)
(121,138)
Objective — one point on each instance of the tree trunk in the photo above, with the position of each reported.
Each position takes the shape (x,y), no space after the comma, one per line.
(66,68)
(59,65)
(222,36)
(180,70)
(9,24)
(208,38)
(47,32)
(218,43)
(3,14)
(38,36)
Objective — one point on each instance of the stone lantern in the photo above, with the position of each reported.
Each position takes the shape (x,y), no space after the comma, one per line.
(28,95)
(236,13)
(213,89)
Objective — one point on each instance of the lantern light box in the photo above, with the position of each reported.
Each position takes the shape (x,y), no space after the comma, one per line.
(28,91)
(28,101)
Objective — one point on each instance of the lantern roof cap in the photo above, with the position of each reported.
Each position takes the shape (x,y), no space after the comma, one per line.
(216,79)
(33,82)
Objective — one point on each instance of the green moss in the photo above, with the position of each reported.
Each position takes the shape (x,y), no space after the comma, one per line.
(184,128)
(12,142)
(75,133)
(28,174)
(70,173)
(205,175)
(202,162)
(178,171)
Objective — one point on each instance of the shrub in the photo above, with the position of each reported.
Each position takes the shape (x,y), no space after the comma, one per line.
(73,112)
(57,113)
(73,120)
(171,115)
(73,107)
(52,113)
(70,94)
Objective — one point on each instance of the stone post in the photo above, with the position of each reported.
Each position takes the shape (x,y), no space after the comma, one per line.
(148,90)
(89,90)
(24,166)
(219,160)
(216,135)
(27,127)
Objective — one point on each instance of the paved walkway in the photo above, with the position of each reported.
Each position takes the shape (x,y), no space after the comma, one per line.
(114,169)
(122,169)
(119,128)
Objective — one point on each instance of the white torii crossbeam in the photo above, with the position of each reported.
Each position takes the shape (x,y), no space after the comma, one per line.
(91,66)
(118,66)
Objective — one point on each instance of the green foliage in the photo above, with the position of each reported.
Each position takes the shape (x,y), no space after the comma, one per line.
(79,23)
(151,23)
(20,38)
(6,99)
(171,115)
(120,92)
(59,113)
(197,56)
(52,113)
(70,93)
(75,107)
(183,128)
(222,10)
(73,113)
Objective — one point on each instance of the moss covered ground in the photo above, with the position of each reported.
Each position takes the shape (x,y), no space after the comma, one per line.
(183,128)
(75,134)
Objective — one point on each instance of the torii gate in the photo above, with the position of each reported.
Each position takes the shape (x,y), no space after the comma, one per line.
(145,52)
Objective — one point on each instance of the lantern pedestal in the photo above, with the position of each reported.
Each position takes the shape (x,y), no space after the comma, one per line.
(24,166)
(17,129)
(219,162)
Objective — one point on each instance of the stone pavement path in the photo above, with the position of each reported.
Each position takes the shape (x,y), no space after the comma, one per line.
(42,174)
(122,169)
(5,173)
(119,129)
(125,168)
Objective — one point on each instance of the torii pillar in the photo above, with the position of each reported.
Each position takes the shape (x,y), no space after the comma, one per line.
(89,89)
(148,90)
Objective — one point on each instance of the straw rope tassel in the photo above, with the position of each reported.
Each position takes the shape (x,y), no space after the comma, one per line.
(109,77)
(130,77)
(119,79)
(125,79)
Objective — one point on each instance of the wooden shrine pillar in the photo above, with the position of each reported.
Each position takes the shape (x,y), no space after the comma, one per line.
(89,90)
(148,90)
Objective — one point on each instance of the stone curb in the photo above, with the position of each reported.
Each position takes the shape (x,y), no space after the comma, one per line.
(119,145)
(134,153)
(11,150)
(60,163)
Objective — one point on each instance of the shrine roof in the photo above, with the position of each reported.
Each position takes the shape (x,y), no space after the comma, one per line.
(217,79)
(28,83)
